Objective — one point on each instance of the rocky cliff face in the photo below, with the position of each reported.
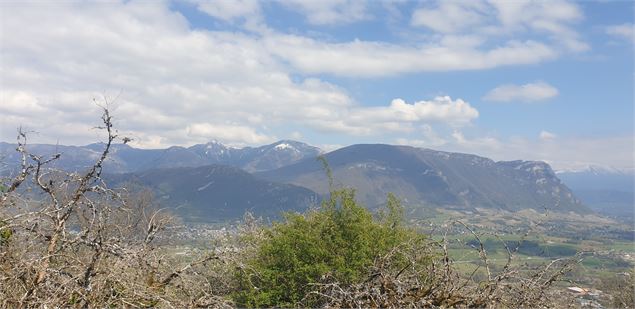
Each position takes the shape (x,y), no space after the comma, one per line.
(428,178)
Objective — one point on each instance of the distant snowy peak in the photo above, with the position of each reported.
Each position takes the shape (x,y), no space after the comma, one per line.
(598,170)
(285,146)
(213,150)
(251,159)
(290,146)
(276,155)
(215,143)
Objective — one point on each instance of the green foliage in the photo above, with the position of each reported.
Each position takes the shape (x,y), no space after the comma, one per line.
(327,170)
(5,232)
(527,247)
(338,242)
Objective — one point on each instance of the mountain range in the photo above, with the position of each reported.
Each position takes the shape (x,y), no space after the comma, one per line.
(125,159)
(428,178)
(608,191)
(215,182)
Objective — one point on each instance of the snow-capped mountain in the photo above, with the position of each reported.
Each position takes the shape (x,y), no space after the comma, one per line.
(215,151)
(605,189)
(599,177)
(124,159)
(597,170)
(277,155)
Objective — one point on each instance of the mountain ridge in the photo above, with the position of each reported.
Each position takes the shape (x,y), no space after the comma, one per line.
(423,178)
(124,159)
(214,193)
(608,191)
(426,177)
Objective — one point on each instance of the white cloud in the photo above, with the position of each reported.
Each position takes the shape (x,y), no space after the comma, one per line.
(399,116)
(486,142)
(181,86)
(530,92)
(355,58)
(329,147)
(546,135)
(442,109)
(61,56)
(450,16)
(178,85)
(623,31)
(370,59)
(497,18)
(233,134)
(427,138)
(329,12)
(525,12)
(568,153)
(247,12)
(488,46)
(229,10)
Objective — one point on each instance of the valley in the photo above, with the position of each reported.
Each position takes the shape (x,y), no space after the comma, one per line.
(520,213)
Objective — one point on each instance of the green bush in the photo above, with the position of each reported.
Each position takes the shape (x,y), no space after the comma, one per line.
(5,232)
(340,241)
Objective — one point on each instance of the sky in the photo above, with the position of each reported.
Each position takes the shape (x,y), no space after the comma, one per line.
(532,80)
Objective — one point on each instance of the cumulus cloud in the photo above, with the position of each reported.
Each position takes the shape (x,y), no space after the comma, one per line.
(531,92)
(180,85)
(59,57)
(398,116)
(442,109)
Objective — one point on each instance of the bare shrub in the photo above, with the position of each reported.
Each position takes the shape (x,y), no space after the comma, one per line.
(69,240)
(620,289)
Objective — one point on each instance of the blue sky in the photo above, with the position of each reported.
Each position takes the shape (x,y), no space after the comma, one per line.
(537,80)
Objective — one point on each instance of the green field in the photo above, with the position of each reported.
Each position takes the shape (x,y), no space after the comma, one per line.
(602,247)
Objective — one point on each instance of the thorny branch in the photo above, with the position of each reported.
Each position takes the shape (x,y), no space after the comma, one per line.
(75,242)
